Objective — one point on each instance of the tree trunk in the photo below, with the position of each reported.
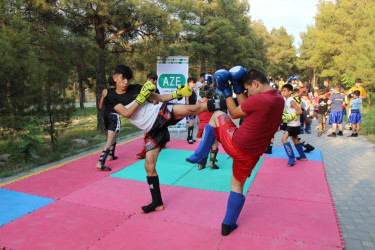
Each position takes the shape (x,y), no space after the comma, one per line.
(100,71)
(81,90)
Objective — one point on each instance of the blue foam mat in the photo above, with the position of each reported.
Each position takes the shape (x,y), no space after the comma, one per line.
(279,152)
(16,204)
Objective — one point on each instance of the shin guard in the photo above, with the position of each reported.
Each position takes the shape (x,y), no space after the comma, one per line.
(204,147)
(103,158)
(290,153)
(213,159)
(300,151)
(112,151)
(234,207)
(153,183)
(190,134)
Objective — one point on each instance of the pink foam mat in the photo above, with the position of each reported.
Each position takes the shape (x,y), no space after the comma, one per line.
(56,183)
(255,242)
(60,225)
(303,182)
(311,222)
(143,232)
(121,195)
(193,206)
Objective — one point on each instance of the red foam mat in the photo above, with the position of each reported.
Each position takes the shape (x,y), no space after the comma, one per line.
(60,225)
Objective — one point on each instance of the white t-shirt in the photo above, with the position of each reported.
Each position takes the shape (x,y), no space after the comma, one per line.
(197,87)
(145,116)
(290,110)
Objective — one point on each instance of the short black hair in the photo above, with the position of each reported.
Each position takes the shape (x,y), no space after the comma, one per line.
(191,79)
(358,80)
(152,76)
(288,86)
(202,74)
(111,82)
(255,74)
(357,93)
(125,71)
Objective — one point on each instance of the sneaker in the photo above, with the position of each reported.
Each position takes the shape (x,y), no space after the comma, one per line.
(191,141)
(319,134)
(352,135)
(332,135)
(340,133)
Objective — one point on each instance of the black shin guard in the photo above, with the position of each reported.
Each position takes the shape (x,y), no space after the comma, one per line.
(213,159)
(112,151)
(190,134)
(308,147)
(153,182)
(102,160)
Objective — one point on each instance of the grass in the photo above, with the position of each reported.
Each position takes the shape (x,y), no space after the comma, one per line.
(82,126)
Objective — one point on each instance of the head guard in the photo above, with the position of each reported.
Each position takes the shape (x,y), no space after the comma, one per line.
(206,91)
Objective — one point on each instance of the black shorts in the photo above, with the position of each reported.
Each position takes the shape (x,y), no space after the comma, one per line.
(293,131)
(112,122)
(159,134)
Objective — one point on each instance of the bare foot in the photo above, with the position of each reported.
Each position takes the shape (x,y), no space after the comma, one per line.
(159,208)
(99,166)
(109,158)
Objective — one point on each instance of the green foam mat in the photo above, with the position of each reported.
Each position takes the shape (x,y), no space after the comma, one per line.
(173,170)
(215,180)
(171,165)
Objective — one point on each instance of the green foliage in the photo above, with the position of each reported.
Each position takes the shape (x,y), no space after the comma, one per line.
(341,41)
(347,80)
(27,147)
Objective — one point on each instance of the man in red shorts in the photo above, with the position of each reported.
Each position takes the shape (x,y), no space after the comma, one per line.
(262,109)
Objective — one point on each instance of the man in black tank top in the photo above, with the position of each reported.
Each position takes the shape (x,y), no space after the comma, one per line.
(112,124)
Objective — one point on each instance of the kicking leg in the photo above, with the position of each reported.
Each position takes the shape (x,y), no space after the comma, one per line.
(205,145)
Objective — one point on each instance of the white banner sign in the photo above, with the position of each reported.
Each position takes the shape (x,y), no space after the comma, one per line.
(173,71)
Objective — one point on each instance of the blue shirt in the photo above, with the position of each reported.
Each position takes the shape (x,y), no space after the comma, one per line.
(356,103)
(337,101)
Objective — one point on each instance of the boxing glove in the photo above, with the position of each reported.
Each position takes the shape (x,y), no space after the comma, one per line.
(147,89)
(182,90)
(289,117)
(221,78)
(236,75)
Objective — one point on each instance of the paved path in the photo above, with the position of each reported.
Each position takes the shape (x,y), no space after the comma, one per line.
(350,170)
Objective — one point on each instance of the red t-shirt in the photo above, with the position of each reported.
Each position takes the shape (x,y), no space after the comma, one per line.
(264,112)
(204,117)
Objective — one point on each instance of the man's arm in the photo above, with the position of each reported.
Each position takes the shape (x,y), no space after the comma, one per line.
(119,108)
(161,98)
(296,107)
(104,93)
(234,111)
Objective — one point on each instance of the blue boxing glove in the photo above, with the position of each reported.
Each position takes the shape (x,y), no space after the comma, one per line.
(221,78)
(236,75)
